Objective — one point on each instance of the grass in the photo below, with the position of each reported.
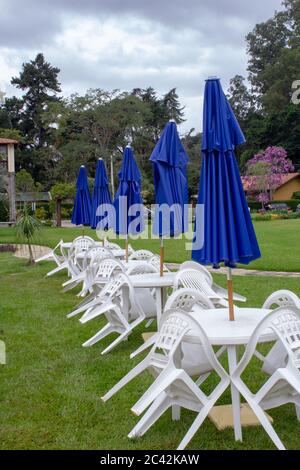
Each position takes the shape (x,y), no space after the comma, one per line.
(50,388)
(271,235)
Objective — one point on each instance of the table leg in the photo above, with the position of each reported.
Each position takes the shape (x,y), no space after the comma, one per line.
(159,300)
(236,402)
(125,300)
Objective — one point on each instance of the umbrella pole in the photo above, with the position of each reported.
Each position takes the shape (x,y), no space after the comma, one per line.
(126,249)
(162,256)
(230,294)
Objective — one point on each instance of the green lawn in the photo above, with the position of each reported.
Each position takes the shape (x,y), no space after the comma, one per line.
(279,243)
(50,388)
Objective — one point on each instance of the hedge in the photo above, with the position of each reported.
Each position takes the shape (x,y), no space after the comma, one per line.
(292,203)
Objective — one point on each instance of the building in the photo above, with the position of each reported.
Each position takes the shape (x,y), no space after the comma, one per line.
(32,198)
(7,172)
(290,183)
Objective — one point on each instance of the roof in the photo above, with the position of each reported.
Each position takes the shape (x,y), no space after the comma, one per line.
(4,141)
(33,197)
(285,178)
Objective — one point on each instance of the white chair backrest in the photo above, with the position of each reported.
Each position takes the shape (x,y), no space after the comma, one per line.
(196,280)
(141,255)
(285,323)
(113,287)
(282,298)
(111,245)
(185,299)
(108,267)
(197,267)
(142,268)
(155,261)
(176,324)
(94,254)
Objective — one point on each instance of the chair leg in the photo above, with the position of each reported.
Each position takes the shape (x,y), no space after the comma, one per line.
(298,412)
(106,330)
(115,343)
(195,426)
(126,379)
(266,424)
(156,410)
(176,413)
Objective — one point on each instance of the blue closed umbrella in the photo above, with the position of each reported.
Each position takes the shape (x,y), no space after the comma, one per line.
(101,197)
(229,234)
(171,187)
(128,202)
(81,214)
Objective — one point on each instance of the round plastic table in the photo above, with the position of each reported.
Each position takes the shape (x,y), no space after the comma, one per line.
(222,332)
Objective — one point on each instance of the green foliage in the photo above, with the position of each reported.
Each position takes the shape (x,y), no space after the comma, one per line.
(296,195)
(28,228)
(62,191)
(24,181)
(40,213)
(4,212)
(11,134)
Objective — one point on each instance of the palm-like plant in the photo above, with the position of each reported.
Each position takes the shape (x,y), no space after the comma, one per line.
(28,228)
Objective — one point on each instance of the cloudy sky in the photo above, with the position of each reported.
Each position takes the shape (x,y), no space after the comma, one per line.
(132,43)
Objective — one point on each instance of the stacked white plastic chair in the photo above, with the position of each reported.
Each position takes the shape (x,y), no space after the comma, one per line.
(173,384)
(106,269)
(196,280)
(181,299)
(110,303)
(90,261)
(141,255)
(215,287)
(283,386)
(277,355)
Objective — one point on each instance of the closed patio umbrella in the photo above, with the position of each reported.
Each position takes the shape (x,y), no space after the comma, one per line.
(81,214)
(128,201)
(229,235)
(171,188)
(101,197)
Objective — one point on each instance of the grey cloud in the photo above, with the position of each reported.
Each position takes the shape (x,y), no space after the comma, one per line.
(33,21)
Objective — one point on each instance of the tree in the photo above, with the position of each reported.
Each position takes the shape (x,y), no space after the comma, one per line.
(240,98)
(265,172)
(38,79)
(60,192)
(24,181)
(28,228)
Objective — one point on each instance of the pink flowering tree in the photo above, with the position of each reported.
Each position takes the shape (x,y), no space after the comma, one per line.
(265,172)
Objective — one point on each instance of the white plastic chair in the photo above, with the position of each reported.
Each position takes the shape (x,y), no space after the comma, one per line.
(173,386)
(113,311)
(107,268)
(141,255)
(111,246)
(276,357)
(196,280)
(79,245)
(215,287)
(181,299)
(284,384)
(155,261)
(59,258)
(91,260)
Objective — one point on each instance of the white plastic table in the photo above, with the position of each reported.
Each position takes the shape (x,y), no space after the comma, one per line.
(157,282)
(222,332)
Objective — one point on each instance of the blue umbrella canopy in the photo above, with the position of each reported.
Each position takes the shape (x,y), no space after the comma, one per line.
(101,197)
(229,234)
(170,182)
(128,202)
(82,204)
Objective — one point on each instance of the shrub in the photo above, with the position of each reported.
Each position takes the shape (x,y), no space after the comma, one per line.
(41,213)
(296,195)
(4,213)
